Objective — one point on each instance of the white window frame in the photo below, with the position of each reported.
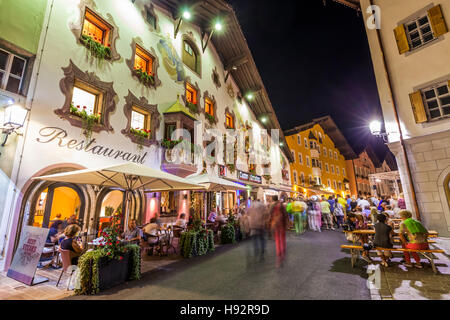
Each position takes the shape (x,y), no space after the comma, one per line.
(437,98)
(299,140)
(338,171)
(295,177)
(302,177)
(308,162)
(306,143)
(332,168)
(419,30)
(335,155)
(300,158)
(325,154)
(327,168)
(330,152)
(329,183)
(334,184)
(7,71)
(293,154)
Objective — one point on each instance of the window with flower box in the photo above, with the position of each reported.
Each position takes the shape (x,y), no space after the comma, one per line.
(143,120)
(143,66)
(86,101)
(96,35)
(191,97)
(209,107)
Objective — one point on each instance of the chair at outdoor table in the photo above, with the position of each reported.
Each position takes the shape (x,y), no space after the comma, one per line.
(66,265)
(149,242)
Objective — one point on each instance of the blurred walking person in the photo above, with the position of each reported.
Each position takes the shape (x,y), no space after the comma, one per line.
(312,215)
(326,213)
(257,217)
(278,224)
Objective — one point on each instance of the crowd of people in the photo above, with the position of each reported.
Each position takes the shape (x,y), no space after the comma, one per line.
(319,213)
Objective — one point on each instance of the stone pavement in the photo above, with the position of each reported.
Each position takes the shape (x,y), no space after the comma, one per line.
(401,283)
(11,289)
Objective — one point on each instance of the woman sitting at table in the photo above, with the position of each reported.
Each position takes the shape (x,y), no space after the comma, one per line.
(413,235)
(69,243)
(133,234)
(181,222)
(383,239)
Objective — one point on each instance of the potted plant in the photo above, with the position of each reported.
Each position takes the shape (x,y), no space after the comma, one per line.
(197,241)
(96,48)
(112,264)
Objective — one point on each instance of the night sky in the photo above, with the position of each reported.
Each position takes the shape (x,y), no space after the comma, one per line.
(314,60)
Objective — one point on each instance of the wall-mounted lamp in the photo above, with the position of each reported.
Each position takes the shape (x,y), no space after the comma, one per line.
(14,119)
(376,129)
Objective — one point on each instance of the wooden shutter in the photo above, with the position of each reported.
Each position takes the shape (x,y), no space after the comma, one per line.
(437,21)
(418,107)
(402,39)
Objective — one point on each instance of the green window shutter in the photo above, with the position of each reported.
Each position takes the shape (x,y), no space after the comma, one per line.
(418,107)
(437,21)
(402,40)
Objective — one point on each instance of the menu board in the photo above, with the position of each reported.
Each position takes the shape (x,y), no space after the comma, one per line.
(28,253)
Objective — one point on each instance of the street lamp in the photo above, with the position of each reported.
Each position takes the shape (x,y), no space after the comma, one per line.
(14,119)
(375,127)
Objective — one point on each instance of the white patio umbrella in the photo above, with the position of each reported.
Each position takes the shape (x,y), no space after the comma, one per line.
(128,177)
(214,184)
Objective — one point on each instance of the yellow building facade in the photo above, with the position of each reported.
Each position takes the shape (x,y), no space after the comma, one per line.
(319,167)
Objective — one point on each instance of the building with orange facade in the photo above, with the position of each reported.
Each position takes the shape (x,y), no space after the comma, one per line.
(320,152)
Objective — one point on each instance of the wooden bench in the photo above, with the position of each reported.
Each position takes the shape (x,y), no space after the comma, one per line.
(355,250)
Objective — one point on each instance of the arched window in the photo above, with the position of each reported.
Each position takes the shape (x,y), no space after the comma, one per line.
(190,56)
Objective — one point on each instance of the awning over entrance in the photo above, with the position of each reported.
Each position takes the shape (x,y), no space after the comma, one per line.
(128,176)
(214,183)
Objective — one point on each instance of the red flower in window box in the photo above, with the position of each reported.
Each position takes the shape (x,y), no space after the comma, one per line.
(84,107)
(78,106)
(109,45)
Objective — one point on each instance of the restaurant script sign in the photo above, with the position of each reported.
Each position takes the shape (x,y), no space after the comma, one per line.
(28,253)
(60,137)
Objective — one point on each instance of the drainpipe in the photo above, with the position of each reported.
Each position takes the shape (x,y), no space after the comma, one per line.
(402,142)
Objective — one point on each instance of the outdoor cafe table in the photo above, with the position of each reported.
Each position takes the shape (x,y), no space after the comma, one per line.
(431,233)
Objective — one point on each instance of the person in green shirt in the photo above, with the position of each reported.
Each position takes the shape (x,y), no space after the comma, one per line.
(326,213)
(413,235)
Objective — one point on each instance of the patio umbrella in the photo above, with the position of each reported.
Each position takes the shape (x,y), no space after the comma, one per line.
(128,177)
(213,183)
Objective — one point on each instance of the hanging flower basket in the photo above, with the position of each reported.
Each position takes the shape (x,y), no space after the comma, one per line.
(88,120)
(141,135)
(144,77)
(211,119)
(192,107)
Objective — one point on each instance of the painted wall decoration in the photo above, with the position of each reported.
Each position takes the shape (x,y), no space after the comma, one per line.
(170,60)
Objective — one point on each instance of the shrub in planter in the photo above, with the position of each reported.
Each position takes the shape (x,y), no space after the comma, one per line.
(228,234)
(196,243)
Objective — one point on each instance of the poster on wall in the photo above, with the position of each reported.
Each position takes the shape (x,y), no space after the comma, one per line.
(28,253)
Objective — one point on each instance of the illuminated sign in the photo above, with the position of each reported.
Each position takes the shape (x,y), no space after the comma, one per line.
(243,176)
(256,179)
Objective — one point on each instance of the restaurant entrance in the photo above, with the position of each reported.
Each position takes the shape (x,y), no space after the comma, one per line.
(58,201)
